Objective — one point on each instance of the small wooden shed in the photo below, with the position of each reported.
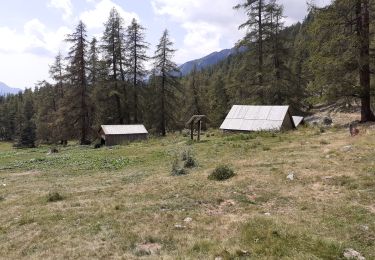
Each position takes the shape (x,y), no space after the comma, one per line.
(120,134)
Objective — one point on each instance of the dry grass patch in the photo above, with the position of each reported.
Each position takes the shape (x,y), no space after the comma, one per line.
(123,203)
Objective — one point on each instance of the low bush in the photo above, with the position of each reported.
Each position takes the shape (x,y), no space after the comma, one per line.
(177,170)
(189,159)
(54,196)
(190,162)
(221,173)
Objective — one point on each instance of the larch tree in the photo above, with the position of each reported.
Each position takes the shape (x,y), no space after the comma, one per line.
(77,99)
(256,33)
(54,100)
(114,50)
(196,106)
(57,73)
(93,62)
(280,87)
(136,48)
(340,58)
(166,71)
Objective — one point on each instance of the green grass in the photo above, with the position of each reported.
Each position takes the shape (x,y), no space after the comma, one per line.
(113,199)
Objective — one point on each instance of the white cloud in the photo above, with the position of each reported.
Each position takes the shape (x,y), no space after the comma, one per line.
(35,35)
(29,52)
(213,25)
(65,5)
(18,68)
(95,18)
(210,26)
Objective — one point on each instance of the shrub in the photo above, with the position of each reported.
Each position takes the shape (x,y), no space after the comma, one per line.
(190,162)
(185,155)
(2,198)
(177,170)
(221,173)
(189,159)
(54,196)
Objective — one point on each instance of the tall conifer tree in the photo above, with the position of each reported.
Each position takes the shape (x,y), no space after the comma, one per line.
(168,85)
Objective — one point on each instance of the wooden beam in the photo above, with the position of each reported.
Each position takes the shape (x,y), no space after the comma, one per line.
(199,129)
(192,130)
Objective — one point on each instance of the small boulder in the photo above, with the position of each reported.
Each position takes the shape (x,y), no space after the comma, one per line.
(267,214)
(179,227)
(347,149)
(364,227)
(327,121)
(188,220)
(148,249)
(318,120)
(290,176)
(97,146)
(351,254)
(53,150)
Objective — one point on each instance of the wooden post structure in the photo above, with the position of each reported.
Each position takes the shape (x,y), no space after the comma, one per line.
(199,129)
(196,119)
(192,130)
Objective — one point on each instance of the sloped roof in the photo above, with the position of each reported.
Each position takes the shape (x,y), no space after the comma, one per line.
(194,119)
(255,118)
(124,129)
(297,120)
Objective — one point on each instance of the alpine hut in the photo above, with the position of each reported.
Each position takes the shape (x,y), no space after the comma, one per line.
(119,134)
(258,118)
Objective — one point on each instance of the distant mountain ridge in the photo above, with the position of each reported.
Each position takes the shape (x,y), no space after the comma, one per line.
(209,60)
(5,89)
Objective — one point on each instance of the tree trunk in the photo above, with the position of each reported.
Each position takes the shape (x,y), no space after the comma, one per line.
(363,32)
(135,80)
(260,42)
(163,127)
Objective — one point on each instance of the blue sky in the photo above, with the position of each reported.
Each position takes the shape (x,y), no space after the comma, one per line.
(32,32)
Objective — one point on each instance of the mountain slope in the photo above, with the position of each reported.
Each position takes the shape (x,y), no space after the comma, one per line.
(209,60)
(5,89)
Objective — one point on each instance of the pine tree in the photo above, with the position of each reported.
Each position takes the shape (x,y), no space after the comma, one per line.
(136,48)
(168,85)
(26,137)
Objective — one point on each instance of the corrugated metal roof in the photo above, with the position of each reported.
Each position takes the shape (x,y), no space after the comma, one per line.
(297,120)
(255,118)
(124,129)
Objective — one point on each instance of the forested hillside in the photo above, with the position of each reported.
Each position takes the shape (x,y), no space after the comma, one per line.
(327,58)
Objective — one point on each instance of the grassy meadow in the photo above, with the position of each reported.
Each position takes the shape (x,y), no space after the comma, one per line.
(124,203)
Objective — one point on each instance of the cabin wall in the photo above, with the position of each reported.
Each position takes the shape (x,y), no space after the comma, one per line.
(288,123)
(111,140)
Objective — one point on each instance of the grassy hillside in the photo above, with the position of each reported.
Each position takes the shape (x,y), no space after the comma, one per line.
(124,202)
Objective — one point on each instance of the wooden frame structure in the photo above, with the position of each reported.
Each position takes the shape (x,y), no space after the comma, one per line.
(195,120)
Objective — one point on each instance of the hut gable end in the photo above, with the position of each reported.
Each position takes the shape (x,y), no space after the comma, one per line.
(258,118)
